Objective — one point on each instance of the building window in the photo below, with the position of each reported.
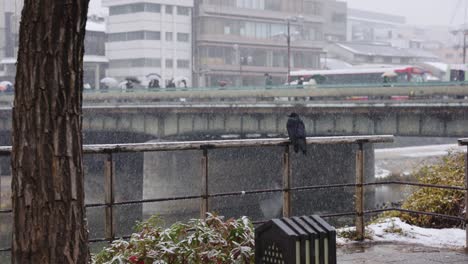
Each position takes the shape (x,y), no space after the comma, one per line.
(251,4)
(134,8)
(339,18)
(134,35)
(183,11)
(169,36)
(169,63)
(183,37)
(135,63)
(152,35)
(169,9)
(274,5)
(312,7)
(154,8)
(183,64)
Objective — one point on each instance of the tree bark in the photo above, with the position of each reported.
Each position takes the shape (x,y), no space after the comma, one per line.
(48,186)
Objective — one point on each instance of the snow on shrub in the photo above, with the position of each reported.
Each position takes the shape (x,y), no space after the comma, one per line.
(450,171)
(200,241)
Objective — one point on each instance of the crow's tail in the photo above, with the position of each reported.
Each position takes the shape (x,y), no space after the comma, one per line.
(302,145)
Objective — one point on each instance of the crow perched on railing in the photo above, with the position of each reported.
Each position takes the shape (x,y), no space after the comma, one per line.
(296,133)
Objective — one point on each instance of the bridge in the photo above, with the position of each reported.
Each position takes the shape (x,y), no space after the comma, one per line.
(250,120)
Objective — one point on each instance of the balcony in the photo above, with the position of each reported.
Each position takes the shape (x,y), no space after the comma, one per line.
(206,10)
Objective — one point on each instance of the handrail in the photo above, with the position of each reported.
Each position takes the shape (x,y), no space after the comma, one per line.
(216,144)
(286,189)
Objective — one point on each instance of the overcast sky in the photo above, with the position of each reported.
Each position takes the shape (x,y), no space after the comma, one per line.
(419,12)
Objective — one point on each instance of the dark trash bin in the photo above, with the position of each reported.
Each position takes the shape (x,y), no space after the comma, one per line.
(295,240)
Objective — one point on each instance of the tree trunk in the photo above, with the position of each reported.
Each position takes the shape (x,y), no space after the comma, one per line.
(48,186)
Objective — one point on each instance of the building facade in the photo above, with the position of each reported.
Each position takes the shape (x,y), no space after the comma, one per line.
(336,21)
(378,54)
(236,42)
(94,59)
(10,14)
(365,26)
(150,38)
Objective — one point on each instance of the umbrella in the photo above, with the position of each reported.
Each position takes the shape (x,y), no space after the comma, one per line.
(5,85)
(132,79)
(109,81)
(389,74)
(123,85)
(222,83)
(179,81)
(153,76)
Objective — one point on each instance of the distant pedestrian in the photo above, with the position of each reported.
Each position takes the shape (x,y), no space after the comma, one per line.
(296,133)
(154,84)
(129,85)
(171,84)
(268,80)
(300,82)
(184,83)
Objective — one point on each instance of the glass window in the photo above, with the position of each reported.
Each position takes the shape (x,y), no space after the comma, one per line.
(113,37)
(169,63)
(169,36)
(183,37)
(169,9)
(183,64)
(274,5)
(183,11)
(154,8)
(312,7)
(138,62)
(152,35)
(134,35)
(134,8)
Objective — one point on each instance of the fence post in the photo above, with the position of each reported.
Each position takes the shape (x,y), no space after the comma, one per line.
(359,196)
(466,199)
(286,182)
(204,191)
(109,199)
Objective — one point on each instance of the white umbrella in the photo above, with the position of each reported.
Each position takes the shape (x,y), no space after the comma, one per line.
(123,85)
(389,74)
(179,80)
(153,76)
(109,81)
(4,85)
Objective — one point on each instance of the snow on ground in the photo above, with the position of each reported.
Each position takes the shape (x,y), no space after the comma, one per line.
(419,151)
(395,230)
(381,173)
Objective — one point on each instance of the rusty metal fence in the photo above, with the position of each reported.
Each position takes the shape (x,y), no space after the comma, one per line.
(359,211)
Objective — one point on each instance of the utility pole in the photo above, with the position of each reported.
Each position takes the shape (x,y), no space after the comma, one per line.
(464,46)
(289,50)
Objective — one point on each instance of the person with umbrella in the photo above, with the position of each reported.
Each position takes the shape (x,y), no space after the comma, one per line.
(387,77)
(154,84)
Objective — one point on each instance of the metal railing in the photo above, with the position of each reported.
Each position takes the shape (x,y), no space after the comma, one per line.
(205,146)
(335,92)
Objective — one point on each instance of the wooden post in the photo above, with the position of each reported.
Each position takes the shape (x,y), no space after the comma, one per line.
(359,196)
(109,199)
(204,191)
(286,182)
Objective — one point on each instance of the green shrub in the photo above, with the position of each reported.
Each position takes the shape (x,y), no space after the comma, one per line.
(451,172)
(200,241)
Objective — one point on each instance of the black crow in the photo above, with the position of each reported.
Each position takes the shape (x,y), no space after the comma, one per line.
(296,133)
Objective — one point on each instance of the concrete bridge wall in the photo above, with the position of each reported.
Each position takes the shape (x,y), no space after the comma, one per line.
(166,121)
(416,120)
